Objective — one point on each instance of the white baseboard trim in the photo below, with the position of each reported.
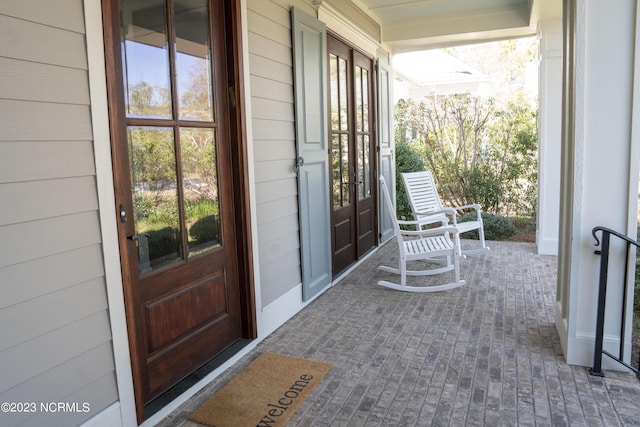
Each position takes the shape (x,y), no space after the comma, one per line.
(109,417)
(547,246)
(582,351)
(284,308)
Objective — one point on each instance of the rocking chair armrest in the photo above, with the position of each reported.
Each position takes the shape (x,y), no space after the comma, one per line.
(437,231)
(445,211)
(474,206)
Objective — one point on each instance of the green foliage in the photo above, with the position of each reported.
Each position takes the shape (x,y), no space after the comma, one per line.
(200,208)
(206,229)
(477,151)
(142,206)
(164,241)
(407,160)
(496,227)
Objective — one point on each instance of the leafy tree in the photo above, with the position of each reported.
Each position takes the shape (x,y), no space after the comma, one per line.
(477,152)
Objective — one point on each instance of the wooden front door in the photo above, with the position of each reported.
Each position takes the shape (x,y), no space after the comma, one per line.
(175,163)
(352,132)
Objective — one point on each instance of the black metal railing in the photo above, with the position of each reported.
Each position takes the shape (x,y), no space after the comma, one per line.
(602,296)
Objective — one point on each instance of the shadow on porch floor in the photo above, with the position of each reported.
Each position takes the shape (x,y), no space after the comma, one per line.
(484,354)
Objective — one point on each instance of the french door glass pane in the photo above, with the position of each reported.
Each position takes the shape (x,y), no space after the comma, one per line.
(359,100)
(342,82)
(333,84)
(340,169)
(146,58)
(365,100)
(200,182)
(155,196)
(336,178)
(193,64)
(344,169)
(364,184)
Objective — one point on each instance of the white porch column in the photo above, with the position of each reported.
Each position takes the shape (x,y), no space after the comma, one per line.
(599,179)
(549,136)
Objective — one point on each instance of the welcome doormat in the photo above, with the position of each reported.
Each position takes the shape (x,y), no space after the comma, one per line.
(265,393)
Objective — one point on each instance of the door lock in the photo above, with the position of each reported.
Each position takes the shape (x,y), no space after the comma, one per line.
(299,162)
(123,213)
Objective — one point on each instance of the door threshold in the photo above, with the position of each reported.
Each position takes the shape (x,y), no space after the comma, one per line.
(165,398)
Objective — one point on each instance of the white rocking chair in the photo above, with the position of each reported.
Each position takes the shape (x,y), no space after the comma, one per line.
(440,243)
(427,208)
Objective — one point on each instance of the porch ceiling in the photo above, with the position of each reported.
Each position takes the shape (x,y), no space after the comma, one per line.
(410,25)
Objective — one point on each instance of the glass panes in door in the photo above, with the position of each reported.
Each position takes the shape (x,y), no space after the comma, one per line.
(172,130)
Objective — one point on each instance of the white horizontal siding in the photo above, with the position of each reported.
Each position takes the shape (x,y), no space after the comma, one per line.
(29,41)
(277,52)
(270,69)
(278,30)
(55,159)
(38,121)
(271,211)
(92,396)
(41,276)
(47,12)
(41,315)
(50,385)
(274,230)
(270,130)
(274,150)
(31,240)
(278,274)
(274,170)
(44,352)
(53,291)
(275,190)
(34,200)
(32,81)
(270,89)
(269,109)
(284,245)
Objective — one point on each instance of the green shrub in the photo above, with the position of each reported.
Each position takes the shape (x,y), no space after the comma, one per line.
(496,227)
(163,242)
(206,229)
(142,206)
(407,160)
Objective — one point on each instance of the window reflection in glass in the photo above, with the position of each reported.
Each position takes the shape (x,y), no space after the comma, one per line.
(335,101)
(146,58)
(335,168)
(155,196)
(193,65)
(364,184)
(200,182)
(342,82)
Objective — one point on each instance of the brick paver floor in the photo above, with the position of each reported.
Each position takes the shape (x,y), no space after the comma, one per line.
(485,354)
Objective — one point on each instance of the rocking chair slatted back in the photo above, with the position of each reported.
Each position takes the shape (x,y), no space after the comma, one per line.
(423,197)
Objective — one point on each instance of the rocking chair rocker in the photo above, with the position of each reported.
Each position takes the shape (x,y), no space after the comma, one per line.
(441,243)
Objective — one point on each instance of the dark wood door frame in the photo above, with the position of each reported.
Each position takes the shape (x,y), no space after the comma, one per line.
(239,166)
(349,242)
